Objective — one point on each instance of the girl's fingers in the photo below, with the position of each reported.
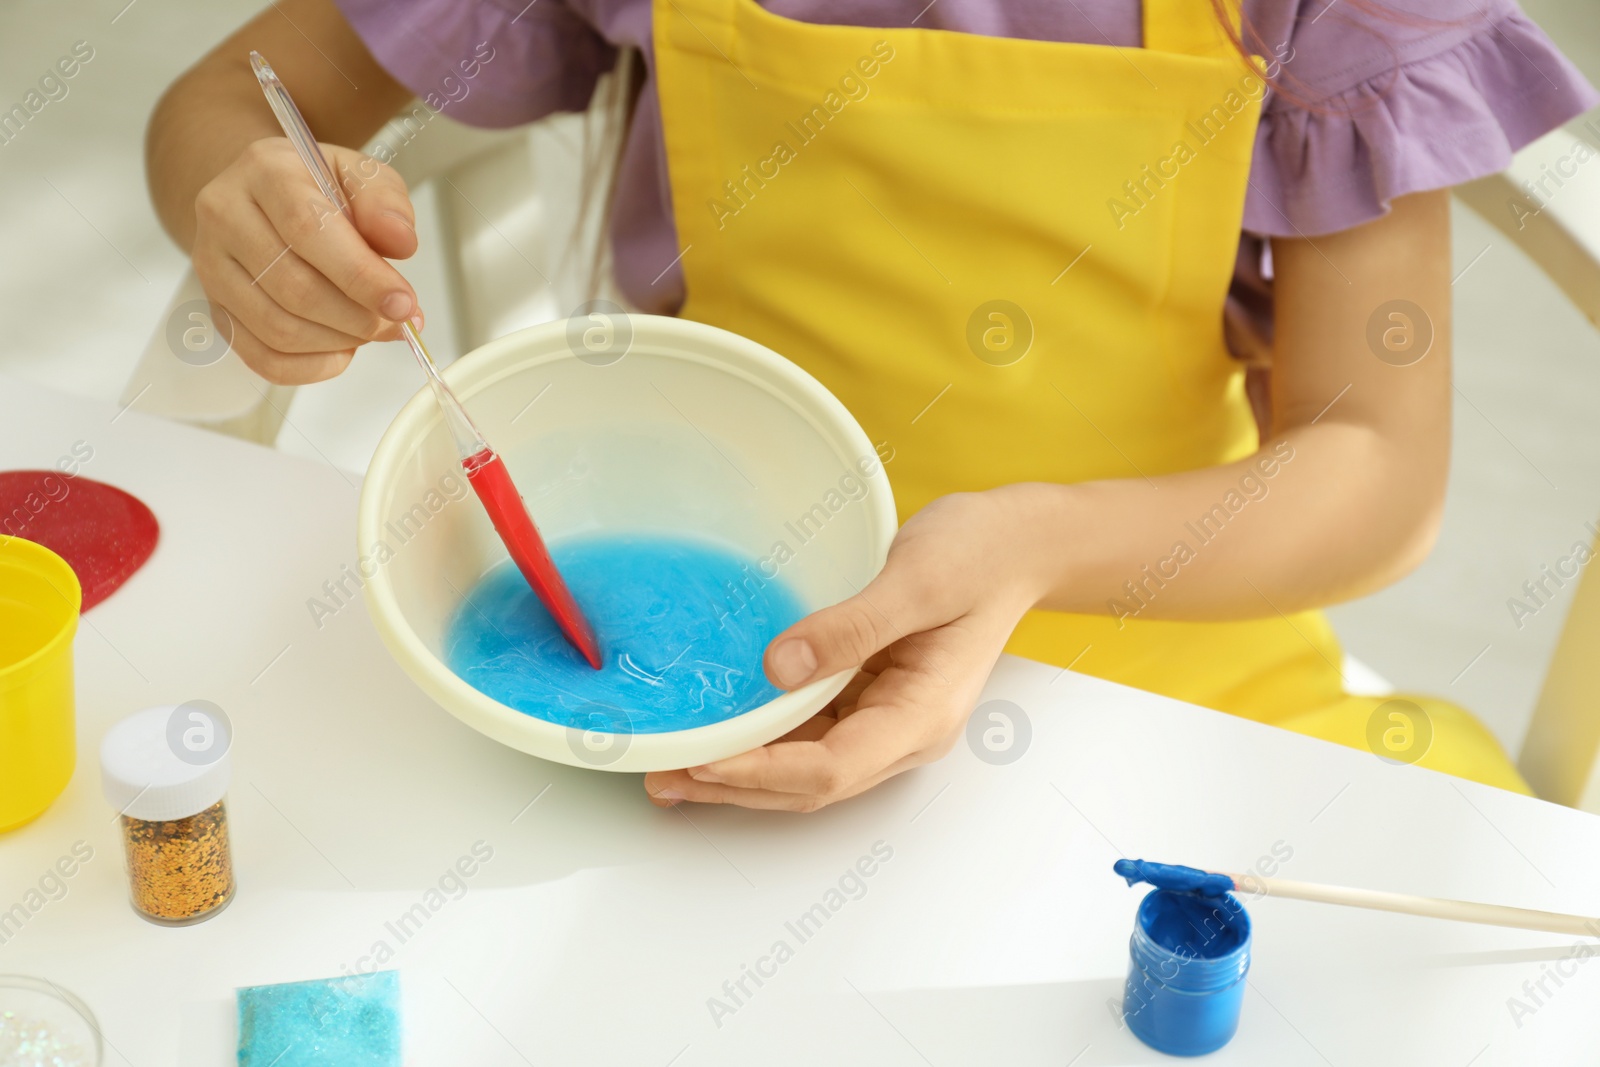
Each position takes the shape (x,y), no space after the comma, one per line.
(894,720)
(320,234)
(301,368)
(228,285)
(280,369)
(846,635)
(850,695)
(382,207)
(679,786)
(280,273)
(812,728)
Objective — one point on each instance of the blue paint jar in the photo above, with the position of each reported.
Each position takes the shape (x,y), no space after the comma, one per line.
(1189,956)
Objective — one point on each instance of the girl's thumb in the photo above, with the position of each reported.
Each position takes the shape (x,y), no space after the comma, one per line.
(847,634)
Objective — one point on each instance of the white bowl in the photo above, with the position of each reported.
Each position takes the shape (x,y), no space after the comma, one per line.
(694,431)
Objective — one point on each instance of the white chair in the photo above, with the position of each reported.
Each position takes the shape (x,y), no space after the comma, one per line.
(1559,228)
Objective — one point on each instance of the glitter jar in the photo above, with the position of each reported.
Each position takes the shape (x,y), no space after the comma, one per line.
(165,770)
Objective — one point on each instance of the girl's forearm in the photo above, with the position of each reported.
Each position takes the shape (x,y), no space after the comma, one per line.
(1320,514)
(201,125)
(1345,499)
(216,109)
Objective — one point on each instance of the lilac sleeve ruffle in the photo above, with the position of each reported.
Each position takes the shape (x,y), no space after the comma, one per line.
(1429,123)
(490,63)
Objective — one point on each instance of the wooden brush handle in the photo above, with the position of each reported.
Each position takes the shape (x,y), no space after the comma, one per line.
(1460,910)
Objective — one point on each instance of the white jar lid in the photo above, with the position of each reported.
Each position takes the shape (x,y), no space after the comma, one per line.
(167,762)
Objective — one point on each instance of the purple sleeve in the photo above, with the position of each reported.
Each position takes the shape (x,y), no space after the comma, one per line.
(484,62)
(1375,103)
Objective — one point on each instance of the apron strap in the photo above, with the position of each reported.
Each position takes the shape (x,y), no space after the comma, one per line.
(1190,27)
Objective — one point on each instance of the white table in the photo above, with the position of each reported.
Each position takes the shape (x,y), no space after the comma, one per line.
(996,934)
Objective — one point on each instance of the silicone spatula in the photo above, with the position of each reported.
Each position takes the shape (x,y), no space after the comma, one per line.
(485,470)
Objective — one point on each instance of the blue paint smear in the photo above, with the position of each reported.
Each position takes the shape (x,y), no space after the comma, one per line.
(351,1021)
(682,625)
(1170,876)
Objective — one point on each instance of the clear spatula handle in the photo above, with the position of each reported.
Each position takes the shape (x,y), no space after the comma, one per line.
(469,442)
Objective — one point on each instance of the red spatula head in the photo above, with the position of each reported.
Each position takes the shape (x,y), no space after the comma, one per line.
(492,482)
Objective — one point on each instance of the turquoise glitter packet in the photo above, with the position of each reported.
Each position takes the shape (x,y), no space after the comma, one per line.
(350,1021)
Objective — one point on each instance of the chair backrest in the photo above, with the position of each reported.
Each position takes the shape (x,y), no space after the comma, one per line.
(1561,754)
(520,225)
(1548,204)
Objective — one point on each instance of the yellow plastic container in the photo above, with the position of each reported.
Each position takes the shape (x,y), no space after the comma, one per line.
(39,602)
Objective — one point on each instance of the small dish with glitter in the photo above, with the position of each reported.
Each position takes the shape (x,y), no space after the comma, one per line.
(42,1023)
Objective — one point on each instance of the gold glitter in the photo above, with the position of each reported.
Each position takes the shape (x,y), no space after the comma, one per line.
(180,870)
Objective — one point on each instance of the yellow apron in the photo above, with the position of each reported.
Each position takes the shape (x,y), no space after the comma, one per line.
(1008,258)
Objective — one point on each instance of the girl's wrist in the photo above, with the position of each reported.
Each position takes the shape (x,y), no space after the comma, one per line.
(1039,521)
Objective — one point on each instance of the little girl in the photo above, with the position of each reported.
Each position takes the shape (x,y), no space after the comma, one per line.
(1033,247)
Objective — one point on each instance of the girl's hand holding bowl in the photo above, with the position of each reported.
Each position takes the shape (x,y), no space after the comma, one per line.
(925,634)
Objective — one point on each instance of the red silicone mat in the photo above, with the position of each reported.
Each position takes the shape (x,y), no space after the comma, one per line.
(103,533)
